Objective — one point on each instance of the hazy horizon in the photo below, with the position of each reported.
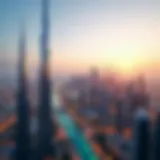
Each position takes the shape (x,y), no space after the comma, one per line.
(123,35)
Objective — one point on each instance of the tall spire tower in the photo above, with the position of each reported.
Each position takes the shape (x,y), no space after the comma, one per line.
(45,32)
(23,136)
(45,143)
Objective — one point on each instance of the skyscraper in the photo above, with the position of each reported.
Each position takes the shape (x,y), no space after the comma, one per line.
(45,134)
(141,135)
(157,139)
(22,136)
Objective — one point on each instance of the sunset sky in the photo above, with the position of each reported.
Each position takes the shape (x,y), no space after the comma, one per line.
(121,34)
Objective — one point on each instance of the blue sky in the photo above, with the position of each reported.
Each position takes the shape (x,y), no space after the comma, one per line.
(85,32)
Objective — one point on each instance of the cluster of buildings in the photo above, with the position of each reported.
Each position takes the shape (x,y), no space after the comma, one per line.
(118,104)
(113,100)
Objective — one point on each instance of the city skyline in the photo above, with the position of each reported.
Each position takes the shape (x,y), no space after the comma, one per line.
(94,92)
(121,35)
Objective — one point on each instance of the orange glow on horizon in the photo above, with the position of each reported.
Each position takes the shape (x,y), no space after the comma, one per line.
(123,63)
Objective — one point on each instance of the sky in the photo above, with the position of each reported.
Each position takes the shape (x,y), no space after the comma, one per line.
(120,34)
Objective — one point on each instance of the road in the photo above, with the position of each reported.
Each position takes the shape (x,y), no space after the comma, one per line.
(82,146)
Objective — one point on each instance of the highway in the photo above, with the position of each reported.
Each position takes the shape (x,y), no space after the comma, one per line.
(82,146)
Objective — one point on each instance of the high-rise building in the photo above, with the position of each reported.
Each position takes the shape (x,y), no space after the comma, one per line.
(94,77)
(94,96)
(129,104)
(22,135)
(157,139)
(46,128)
(141,138)
(141,96)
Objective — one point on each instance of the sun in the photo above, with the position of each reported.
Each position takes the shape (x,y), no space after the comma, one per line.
(123,62)
(126,64)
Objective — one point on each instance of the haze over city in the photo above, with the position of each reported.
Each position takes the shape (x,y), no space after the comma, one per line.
(122,35)
(79,79)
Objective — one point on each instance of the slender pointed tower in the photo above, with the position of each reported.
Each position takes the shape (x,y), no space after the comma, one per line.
(23,135)
(45,134)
